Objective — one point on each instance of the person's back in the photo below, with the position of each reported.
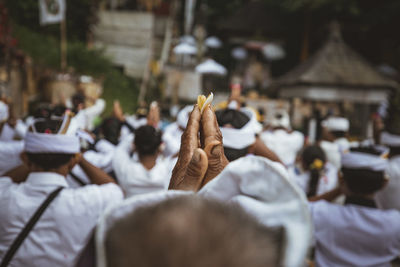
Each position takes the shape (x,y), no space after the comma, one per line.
(358,233)
(151,172)
(63,230)
(355,235)
(285,144)
(68,221)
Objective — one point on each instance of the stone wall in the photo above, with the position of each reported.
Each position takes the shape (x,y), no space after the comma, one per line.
(127,38)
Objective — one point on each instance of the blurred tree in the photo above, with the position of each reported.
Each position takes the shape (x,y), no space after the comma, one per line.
(81,14)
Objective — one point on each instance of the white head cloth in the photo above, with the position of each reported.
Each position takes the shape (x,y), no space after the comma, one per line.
(359,160)
(51,143)
(243,137)
(261,187)
(3,111)
(389,139)
(281,119)
(183,116)
(336,124)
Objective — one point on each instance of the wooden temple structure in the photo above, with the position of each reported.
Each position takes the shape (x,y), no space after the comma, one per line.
(338,75)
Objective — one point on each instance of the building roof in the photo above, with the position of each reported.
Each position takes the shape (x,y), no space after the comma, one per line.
(335,65)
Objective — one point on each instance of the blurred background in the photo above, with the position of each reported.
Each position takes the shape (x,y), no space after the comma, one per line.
(314,58)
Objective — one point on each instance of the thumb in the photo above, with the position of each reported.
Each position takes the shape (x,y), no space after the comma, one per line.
(195,171)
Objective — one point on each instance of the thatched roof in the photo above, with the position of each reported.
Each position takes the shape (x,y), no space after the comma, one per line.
(335,65)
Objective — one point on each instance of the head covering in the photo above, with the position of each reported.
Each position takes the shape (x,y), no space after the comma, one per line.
(365,161)
(261,187)
(49,142)
(336,124)
(388,139)
(3,111)
(240,136)
(183,116)
(281,119)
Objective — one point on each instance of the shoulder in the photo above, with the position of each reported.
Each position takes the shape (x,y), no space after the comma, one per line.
(6,183)
(96,193)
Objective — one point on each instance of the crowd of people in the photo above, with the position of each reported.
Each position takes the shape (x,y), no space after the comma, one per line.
(216,187)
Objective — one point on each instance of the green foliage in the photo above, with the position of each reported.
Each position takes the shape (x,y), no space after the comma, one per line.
(45,51)
(81,14)
(118,86)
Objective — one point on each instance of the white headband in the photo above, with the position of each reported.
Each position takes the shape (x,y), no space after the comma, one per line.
(237,138)
(359,160)
(390,139)
(243,137)
(336,124)
(51,143)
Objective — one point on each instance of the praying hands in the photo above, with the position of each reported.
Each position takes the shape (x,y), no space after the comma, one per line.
(201,156)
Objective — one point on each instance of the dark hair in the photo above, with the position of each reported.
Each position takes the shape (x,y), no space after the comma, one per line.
(309,155)
(147,140)
(237,120)
(231,153)
(338,134)
(111,129)
(362,181)
(233,117)
(192,231)
(394,151)
(49,161)
(78,99)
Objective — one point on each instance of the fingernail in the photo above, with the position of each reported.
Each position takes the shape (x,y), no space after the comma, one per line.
(196,156)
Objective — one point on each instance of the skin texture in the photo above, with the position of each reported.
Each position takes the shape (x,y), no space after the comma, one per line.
(201,156)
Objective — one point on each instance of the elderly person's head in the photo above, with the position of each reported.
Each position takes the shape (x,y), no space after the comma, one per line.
(191,231)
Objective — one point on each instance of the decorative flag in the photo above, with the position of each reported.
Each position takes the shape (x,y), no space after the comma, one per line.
(51,11)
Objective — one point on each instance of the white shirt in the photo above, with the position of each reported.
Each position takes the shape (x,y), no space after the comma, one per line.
(353,235)
(285,145)
(344,144)
(102,158)
(10,155)
(64,228)
(332,152)
(327,182)
(172,139)
(134,178)
(389,197)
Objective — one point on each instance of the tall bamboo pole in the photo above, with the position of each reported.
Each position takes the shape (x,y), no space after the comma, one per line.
(63,44)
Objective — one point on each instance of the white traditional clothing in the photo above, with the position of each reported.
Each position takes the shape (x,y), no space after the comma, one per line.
(389,197)
(134,178)
(354,235)
(343,143)
(9,133)
(327,182)
(261,187)
(101,158)
(84,119)
(10,155)
(65,227)
(332,152)
(172,139)
(286,145)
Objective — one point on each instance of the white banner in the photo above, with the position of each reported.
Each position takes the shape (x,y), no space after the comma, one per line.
(51,11)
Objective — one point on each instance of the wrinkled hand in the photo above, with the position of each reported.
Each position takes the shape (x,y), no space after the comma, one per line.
(199,160)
